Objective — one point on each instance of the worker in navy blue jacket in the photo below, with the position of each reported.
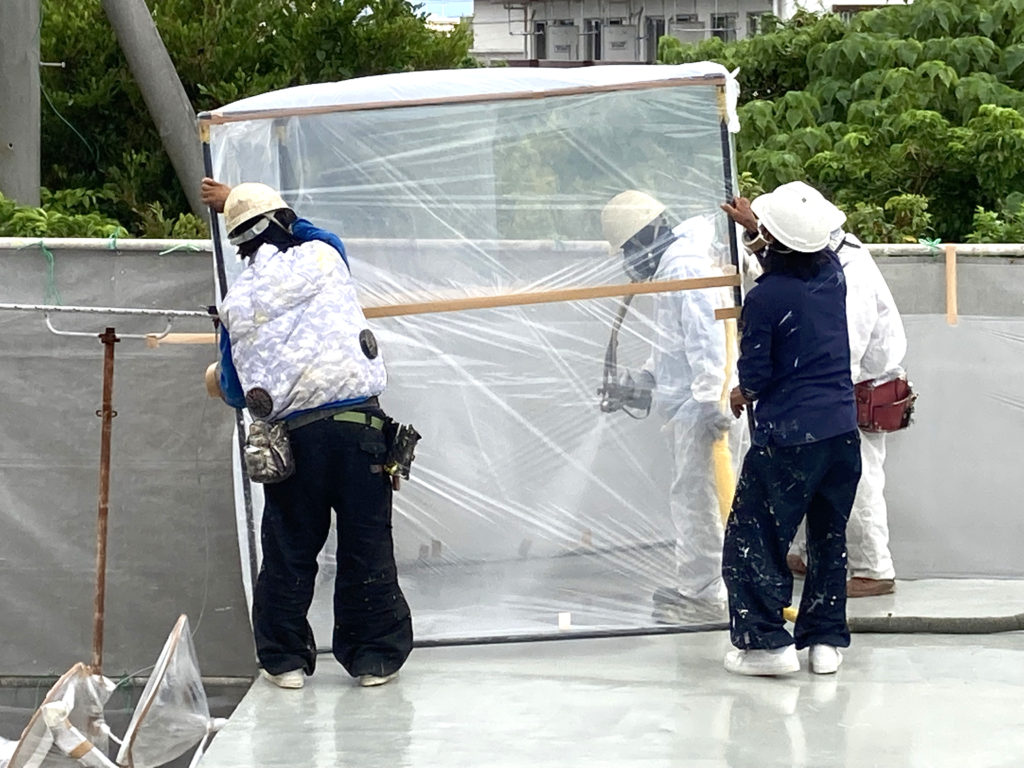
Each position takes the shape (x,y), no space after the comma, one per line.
(794,370)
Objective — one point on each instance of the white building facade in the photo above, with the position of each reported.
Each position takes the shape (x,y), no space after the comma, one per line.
(606,30)
(553,31)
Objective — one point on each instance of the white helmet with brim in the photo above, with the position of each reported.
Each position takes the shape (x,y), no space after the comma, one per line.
(626,214)
(798,216)
(250,203)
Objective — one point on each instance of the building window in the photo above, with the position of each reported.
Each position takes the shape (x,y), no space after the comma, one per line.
(592,30)
(540,49)
(755,22)
(723,26)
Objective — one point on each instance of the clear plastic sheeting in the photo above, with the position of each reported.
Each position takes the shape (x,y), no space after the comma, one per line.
(74,707)
(172,715)
(529,509)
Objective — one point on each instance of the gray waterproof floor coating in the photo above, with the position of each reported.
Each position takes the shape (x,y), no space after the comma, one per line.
(664,700)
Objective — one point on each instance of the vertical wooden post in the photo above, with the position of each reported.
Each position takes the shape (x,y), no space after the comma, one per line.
(109,339)
(951,307)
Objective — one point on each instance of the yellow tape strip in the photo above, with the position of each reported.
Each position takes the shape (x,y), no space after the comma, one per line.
(951,305)
(80,751)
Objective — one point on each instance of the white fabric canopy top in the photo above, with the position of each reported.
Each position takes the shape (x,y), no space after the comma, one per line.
(463,84)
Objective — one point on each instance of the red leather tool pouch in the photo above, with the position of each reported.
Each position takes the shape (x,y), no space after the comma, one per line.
(884,407)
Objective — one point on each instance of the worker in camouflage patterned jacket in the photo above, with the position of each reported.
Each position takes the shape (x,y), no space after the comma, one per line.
(296,349)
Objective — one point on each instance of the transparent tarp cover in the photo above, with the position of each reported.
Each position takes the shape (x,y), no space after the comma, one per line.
(83,696)
(526,501)
(172,714)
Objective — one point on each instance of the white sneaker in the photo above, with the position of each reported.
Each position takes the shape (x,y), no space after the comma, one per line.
(824,659)
(770,661)
(368,681)
(293,678)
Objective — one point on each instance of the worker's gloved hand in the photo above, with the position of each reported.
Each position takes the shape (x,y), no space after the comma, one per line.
(711,421)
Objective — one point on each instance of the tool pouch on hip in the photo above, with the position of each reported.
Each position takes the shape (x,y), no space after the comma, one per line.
(887,407)
(401,441)
(268,453)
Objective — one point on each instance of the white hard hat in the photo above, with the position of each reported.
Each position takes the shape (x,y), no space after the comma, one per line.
(249,201)
(626,214)
(798,216)
(834,217)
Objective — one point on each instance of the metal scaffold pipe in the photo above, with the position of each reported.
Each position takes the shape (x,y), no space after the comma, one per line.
(168,104)
(107,414)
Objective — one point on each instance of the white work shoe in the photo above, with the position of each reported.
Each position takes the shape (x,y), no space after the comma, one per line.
(368,681)
(825,659)
(763,661)
(293,678)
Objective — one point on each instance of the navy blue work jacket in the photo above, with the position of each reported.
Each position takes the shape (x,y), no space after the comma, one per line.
(795,353)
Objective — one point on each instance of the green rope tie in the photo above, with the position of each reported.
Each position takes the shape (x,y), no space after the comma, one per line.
(933,245)
(51,295)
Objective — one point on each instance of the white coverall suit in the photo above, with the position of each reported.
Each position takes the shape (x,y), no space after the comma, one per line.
(878,344)
(688,364)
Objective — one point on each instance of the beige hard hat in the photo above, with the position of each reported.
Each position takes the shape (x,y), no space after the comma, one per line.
(798,216)
(248,201)
(626,214)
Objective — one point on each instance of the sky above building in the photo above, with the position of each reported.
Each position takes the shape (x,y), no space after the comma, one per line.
(449,9)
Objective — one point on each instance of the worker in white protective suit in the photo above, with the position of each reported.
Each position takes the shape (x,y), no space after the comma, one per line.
(878,344)
(690,372)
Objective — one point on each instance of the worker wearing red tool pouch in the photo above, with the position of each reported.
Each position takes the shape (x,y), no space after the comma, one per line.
(878,344)
(885,400)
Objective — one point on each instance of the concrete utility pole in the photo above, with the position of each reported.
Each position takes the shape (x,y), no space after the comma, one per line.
(19,100)
(161,88)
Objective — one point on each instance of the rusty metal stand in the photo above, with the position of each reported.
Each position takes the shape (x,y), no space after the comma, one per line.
(107,414)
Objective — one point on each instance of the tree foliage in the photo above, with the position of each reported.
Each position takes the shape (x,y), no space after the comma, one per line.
(911,117)
(98,141)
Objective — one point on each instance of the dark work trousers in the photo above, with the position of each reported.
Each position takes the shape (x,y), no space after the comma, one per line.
(337,465)
(778,487)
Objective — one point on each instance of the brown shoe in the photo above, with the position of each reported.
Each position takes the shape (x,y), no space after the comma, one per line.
(861,587)
(796,565)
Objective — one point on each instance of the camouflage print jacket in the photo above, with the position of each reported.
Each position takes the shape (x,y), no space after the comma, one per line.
(294,325)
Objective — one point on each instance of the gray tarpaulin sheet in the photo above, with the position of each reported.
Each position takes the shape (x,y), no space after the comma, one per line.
(954,482)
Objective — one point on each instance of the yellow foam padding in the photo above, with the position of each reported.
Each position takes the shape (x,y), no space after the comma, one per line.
(725,476)
(721,456)
(789,613)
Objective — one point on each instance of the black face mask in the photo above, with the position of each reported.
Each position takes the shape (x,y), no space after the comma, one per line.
(642,252)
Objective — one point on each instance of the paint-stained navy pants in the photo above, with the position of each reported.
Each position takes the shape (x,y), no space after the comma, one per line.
(778,487)
(337,466)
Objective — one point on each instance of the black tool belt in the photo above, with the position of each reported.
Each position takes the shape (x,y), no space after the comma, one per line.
(355,413)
